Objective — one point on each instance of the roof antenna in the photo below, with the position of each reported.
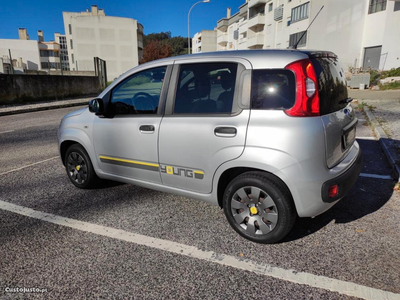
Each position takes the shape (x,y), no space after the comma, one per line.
(298,41)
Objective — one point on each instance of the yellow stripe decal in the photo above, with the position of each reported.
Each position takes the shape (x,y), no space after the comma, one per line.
(199,172)
(130,161)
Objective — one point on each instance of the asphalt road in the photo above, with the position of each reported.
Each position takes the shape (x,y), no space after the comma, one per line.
(357,241)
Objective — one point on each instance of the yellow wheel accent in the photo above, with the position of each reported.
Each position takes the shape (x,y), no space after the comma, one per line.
(78,168)
(253,210)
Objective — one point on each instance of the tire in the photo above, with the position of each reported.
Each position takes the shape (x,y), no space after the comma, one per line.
(79,167)
(267,220)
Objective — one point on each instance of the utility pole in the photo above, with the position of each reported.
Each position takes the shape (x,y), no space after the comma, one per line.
(11,62)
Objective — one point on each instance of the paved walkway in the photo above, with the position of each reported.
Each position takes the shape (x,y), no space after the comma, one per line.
(383,111)
(23,108)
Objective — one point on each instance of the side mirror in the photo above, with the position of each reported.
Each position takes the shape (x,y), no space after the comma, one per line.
(96,106)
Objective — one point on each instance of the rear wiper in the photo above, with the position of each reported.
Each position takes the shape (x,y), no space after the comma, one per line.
(347,100)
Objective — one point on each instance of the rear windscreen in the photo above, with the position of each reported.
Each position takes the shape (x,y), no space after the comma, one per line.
(331,84)
(273,89)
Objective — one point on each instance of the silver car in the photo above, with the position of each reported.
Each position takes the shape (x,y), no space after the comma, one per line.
(268,135)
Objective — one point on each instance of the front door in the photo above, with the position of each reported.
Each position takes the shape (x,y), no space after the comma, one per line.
(203,126)
(126,144)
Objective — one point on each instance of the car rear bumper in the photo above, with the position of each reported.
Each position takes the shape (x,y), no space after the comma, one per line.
(344,181)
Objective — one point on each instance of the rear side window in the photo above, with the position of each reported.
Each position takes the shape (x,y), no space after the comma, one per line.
(273,89)
(205,88)
(331,84)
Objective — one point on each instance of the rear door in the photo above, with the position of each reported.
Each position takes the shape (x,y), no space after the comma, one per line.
(337,115)
(204,123)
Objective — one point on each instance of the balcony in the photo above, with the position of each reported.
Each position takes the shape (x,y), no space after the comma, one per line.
(257,2)
(243,10)
(278,13)
(140,44)
(140,28)
(222,39)
(256,40)
(222,24)
(258,19)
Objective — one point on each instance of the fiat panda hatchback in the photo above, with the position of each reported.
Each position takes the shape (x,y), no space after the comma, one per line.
(268,135)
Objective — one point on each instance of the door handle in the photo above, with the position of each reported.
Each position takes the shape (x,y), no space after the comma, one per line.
(146,128)
(225,131)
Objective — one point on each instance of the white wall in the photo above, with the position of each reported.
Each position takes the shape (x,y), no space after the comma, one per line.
(27,49)
(113,39)
(383,29)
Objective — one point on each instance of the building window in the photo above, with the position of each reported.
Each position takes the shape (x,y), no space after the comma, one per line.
(72,45)
(270,6)
(300,12)
(72,58)
(50,65)
(396,6)
(70,28)
(376,6)
(295,37)
(48,53)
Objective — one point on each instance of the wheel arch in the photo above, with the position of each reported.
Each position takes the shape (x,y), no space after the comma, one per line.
(231,173)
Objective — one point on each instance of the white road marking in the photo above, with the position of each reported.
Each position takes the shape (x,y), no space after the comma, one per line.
(315,281)
(36,163)
(6,131)
(376,176)
(366,138)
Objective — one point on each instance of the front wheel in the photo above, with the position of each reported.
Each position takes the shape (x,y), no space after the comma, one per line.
(79,167)
(259,207)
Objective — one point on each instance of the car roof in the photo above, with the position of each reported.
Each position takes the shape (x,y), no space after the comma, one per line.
(250,55)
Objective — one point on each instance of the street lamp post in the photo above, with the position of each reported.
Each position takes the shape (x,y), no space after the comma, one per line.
(204,1)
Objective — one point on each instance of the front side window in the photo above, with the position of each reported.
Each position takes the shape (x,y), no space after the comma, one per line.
(376,6)
(300,12)
(273,89)
(205,88)
(139,94)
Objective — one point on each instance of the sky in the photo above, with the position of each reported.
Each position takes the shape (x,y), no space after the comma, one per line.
(154,15)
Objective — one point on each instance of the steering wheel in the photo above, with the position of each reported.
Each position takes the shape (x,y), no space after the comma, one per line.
(144,101)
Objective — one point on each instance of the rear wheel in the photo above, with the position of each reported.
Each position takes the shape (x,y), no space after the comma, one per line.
(259,207)
(79,167)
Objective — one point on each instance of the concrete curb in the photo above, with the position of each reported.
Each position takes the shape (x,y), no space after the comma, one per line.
(40,108)
(381,135)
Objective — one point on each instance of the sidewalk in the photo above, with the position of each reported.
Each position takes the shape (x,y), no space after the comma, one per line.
(45,105)
(383,111)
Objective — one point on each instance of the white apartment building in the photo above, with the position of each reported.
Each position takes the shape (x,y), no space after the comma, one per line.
(29,54)
(204,41)
(61,39)
(118,41)
(363,33)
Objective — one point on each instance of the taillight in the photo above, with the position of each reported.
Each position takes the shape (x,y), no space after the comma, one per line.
(307,99)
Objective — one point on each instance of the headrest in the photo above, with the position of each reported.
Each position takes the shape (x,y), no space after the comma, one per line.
(203,87)
(226,80)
